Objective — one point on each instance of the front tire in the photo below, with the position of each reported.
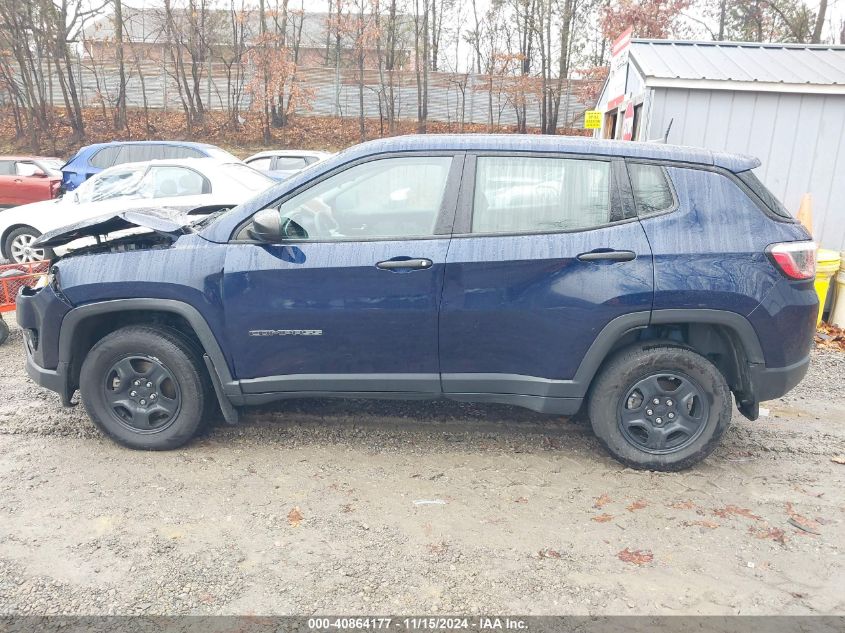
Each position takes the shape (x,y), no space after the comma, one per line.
(660,408)
(144,387)
(18,246)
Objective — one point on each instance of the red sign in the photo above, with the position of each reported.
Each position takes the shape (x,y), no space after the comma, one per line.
(628,123)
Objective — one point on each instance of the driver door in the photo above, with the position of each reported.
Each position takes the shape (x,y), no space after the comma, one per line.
(348,300)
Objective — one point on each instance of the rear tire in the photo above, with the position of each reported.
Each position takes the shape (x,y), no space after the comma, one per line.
(17,246)
(660,408)
(145,387)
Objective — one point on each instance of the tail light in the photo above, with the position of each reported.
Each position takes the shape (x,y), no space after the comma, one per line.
(796,260)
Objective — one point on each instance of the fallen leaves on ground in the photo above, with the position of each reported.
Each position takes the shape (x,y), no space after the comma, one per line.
(838,459)
(683,505)
(602,518)
(831,337)
(520,500)
(635,557)
(710,525)
(295,517)
(639,504)
(768,533)
(438,548)
(602,501)
(801,522)
(548,553)
(732,510)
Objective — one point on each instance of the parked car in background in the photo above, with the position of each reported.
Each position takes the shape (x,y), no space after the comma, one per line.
(25,179)
(186,184)
(283,163)
(92,159)
(649,284)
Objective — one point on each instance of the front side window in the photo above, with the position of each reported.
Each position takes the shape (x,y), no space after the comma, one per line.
(27,169)
(652,192)
(390,197)
(7,168)
(527,194)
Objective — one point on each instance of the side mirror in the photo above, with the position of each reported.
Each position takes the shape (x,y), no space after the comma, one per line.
(266,226)
(269,226)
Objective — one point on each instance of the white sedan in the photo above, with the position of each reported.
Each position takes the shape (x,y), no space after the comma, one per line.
(284,163)
(182,184)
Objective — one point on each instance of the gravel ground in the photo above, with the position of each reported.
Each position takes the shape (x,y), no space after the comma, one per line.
(314,507)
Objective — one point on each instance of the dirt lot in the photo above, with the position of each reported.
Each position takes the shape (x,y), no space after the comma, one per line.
(315,507)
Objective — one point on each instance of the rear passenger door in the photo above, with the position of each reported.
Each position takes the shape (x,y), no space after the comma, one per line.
(547,251)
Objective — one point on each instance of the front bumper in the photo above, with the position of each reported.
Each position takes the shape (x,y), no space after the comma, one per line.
(53,379)
(39,314)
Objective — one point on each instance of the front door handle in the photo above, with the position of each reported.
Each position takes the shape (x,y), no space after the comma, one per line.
(405,264)
(607,255)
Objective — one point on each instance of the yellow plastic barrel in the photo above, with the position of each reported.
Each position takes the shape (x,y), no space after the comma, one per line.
(837,315)
(827,264)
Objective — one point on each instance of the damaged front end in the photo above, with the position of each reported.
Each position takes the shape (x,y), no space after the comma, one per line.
(138,229)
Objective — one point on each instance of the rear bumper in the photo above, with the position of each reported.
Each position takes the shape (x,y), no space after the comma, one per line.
(770,383)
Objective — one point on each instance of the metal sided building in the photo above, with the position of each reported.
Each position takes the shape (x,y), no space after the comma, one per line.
(784,103)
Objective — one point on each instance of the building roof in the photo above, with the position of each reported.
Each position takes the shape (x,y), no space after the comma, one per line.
(741,65)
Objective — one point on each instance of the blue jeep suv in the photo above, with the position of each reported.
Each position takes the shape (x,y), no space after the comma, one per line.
(645,283)
(92,159)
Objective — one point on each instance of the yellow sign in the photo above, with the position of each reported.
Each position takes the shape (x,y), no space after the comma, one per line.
(592,120)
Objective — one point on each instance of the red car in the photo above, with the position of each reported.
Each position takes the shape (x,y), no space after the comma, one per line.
(25,179)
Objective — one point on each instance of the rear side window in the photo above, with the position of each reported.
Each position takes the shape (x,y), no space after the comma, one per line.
(774,205)
(168,182)
(175,151)
(526,195)
(105,157)
(290,162)
(139,153)
(651,188)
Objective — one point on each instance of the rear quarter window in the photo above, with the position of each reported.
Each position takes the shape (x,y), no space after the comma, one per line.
(651,188)
(750,180)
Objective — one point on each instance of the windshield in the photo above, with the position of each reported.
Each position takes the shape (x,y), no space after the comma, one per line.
(51,165)
(247,177)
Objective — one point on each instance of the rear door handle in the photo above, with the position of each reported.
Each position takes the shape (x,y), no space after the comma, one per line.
(405,264)
(612,256)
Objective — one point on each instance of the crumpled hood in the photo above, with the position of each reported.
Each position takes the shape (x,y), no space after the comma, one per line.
(170,221)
